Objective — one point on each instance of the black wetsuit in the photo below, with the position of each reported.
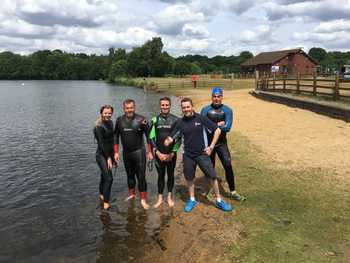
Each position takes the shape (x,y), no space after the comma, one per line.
(104,137)
(161,129)
(218,114)
(134,153)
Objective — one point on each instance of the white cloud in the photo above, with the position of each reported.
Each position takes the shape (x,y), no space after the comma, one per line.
(172,20)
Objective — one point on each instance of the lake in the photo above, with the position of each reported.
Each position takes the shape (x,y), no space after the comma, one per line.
(49,177)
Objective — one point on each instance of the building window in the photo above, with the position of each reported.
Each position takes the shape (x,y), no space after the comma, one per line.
(307,66)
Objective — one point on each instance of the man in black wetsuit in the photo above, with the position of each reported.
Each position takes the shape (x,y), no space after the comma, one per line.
(165,157)
(222,116)
(131,128)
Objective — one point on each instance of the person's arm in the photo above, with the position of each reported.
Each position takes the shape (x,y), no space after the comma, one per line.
(147,131)
(226,126)
(116,142)
(216,136)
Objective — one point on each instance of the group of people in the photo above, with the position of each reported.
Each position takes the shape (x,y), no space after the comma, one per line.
(203,136)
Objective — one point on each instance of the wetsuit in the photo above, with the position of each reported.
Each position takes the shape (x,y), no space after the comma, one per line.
(161,129)
(134,153)
(217,114)
(104,137)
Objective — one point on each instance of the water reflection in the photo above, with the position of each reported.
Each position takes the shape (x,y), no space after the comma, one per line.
(49,178)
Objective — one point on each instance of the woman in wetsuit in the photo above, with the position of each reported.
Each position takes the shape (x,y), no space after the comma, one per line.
(103,131)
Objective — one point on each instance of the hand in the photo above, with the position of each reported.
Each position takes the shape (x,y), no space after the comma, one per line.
(116,157)
(150,156)
(109,163)
(161,156)
(169,157)
(168,141)
(208,151)
(221,123)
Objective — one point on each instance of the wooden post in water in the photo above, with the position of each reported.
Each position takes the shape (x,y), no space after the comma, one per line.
(336,86)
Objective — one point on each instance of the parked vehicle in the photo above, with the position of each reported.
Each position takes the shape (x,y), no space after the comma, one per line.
(345,77)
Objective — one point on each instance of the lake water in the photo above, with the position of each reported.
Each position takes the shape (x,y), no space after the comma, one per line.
(49,177)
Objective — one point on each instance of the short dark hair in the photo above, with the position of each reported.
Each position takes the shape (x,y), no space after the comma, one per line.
(165,98)
(186,100)
(128,101)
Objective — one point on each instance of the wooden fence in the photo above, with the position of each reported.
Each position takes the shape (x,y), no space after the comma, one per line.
(315,84)
(189,84)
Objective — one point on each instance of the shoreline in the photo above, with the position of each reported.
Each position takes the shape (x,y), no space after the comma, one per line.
(207,233)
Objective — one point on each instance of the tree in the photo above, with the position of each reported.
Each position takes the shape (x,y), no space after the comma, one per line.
(182,67)
(246,55)
(317,54)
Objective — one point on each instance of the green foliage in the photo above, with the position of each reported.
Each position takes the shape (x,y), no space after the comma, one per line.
(147,60)
(317,54)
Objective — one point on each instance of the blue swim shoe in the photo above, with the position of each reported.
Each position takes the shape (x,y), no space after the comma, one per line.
(190,205)
(223,206)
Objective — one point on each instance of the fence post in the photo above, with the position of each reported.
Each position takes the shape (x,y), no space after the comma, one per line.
(336,86)
(274,81)
(256,79)
(232,76)
(284,82)
(204,85)
(314,84)
(169,85)
(156,86)
(298,82)
(182,84)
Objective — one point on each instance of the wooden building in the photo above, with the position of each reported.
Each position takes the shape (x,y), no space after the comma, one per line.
(291,61)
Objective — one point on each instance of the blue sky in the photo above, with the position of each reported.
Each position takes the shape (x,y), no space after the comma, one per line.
(205,27)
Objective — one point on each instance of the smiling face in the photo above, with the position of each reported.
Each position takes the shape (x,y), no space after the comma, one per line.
(187,109)
(165,107)
(106,114)
(217,100)
(129,109)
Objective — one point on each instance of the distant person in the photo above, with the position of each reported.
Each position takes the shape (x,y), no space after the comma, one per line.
(103,131)
(222,116)
(165,157)
(197,151)
(131,127)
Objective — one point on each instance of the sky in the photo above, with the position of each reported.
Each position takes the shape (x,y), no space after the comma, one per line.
(204,27)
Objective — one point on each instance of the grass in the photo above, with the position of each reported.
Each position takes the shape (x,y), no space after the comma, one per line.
(210,83)
(289,216)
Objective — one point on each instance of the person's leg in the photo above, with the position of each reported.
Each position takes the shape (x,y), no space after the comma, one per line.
(102,182)
(225,158)
(189,169)
(107,179)
(160,166)
(171,179)
(190,185)
(130,172)
(139,161)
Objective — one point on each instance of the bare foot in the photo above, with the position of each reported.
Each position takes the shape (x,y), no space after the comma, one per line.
(170,202)
(144,205)
(160,201)
(105,206)
(130,197)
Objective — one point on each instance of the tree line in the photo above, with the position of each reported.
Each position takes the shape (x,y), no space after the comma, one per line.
(329,59)
(147,60)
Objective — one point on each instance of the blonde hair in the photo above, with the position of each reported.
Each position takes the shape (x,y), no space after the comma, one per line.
(99,121)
